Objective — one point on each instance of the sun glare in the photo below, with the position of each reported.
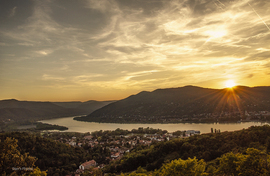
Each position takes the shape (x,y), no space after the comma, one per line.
(230,84)
(216,33)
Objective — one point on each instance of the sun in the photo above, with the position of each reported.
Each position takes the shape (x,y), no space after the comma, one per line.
(230,84)
(218,33)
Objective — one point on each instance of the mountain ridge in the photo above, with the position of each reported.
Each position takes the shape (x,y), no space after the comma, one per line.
(15,110)
(183,102)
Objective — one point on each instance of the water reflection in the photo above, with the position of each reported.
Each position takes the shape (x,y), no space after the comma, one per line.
(78,126)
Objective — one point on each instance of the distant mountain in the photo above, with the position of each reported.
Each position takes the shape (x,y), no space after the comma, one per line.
(184,102)
(29,110)
(70,104)
(85,107)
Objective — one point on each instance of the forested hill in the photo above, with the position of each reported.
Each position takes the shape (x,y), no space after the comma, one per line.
(241,152)
(15,110)
(209,147)
(55,157)
(183,102)
(85,107)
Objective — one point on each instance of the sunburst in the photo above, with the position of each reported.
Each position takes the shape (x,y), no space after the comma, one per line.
(230,84)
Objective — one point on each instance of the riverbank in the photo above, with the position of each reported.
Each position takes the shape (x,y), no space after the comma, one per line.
(209,121)
(31,126)
(83,127)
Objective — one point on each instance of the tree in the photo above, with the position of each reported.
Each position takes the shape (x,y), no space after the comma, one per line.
(37,172)
(191,167)
(12,161)
(253,163)
(239,164)
(268,145)
(229,163)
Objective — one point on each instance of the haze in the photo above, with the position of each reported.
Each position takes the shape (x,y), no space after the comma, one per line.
(66,50)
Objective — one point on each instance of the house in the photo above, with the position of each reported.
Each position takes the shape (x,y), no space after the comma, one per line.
(116,155)
(88,137)
(72,143)
(87,165)
(192,132)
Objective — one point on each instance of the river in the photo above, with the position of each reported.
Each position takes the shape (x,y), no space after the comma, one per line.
(83,127)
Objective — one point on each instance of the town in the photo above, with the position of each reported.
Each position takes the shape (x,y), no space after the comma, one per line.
(114,144)
(223,116)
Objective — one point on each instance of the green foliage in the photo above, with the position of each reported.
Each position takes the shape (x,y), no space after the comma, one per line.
(268,144)
(191,167)
(13,162)
(119,131)
(37,172)
(207,146)
(229,163)
(51,155)
(251,163)
(178,133)
(44,126)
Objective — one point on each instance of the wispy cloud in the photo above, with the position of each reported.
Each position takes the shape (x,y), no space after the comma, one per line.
(50,77)
(13,11)
(137,45)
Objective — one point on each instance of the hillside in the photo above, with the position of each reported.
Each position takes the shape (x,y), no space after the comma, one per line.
(184,103)
(14,110)
(226,153)
(53,156)
(85,107)
(208,147)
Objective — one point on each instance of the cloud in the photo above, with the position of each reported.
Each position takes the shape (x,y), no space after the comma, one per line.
(138,45)
(44,52)
(47,77)
(13,12)
(103,6)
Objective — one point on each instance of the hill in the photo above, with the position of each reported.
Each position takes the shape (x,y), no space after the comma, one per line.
(208,147)
(226,153)
(185,104)
(14,110)
(53,156)
(85,107)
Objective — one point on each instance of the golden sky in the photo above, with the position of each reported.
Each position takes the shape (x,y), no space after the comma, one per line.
(66,50)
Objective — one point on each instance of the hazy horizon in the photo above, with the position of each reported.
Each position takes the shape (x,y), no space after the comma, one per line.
(129,95)
(52,50)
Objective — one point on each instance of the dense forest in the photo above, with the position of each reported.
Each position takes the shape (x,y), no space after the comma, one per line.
(55,157)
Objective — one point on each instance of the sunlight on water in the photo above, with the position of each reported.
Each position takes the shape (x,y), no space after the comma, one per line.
(82,127)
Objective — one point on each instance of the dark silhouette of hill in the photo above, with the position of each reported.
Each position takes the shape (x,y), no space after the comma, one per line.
(15,110)
(70,104)
(85,107)
(184,102)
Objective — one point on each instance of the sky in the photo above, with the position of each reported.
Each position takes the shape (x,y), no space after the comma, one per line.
(79,50)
